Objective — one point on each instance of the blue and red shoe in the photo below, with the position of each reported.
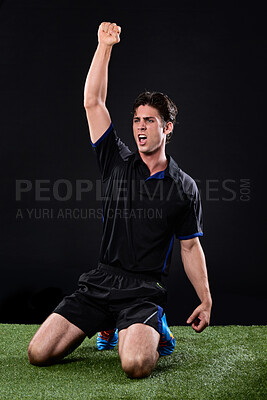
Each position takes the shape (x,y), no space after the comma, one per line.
(107,340)
(167,340)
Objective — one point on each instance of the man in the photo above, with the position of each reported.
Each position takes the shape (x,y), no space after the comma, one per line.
(147,199)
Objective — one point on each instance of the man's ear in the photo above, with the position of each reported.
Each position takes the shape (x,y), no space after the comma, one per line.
(168,128)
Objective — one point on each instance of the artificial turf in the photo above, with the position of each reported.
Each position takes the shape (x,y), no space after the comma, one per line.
(223,362)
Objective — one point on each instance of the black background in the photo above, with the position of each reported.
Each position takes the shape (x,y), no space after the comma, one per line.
(211,61)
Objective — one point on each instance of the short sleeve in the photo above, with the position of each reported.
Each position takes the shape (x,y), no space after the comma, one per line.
(190,221)
(110,150)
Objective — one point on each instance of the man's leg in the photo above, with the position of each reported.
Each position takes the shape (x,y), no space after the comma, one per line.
(138,350)
(56,338)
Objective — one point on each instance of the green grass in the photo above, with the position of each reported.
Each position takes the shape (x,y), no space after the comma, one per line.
(223,362)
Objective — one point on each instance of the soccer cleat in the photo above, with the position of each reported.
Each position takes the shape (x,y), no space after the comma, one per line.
(107,340)
(167,340)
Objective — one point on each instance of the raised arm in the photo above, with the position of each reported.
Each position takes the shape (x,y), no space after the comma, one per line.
(95,90)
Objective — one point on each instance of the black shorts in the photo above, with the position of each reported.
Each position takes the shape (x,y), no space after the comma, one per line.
(109,297)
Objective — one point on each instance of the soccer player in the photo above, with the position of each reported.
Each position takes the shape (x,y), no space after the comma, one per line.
(147,201)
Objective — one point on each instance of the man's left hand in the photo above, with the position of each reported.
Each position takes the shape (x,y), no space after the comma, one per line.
(200,318)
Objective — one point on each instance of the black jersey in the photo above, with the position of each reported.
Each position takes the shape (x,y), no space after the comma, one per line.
(143,213)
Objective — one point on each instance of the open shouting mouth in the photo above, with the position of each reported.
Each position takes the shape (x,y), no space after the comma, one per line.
(142,139)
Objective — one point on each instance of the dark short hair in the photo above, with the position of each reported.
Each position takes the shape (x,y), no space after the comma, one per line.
(165,106)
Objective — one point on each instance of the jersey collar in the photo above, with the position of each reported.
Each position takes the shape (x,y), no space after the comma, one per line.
(172,169)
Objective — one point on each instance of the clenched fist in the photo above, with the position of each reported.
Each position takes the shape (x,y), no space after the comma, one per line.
(108,33)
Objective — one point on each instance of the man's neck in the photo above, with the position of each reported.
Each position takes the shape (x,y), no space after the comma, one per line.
(155,162)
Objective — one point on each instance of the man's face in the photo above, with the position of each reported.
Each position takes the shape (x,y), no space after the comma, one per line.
(148,129)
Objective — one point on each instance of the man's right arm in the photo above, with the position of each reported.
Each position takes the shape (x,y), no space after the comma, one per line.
(95,90)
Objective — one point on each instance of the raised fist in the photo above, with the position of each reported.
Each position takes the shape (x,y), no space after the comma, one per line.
(108,33)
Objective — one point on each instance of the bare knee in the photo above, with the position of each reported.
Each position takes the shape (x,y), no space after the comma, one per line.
(137,366)
(37,355)
(55,339)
